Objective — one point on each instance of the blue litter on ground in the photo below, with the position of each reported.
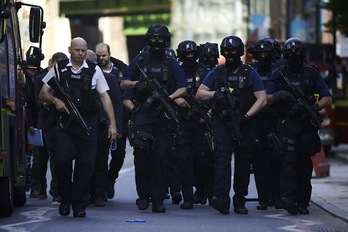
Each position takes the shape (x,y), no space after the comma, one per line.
(135,220)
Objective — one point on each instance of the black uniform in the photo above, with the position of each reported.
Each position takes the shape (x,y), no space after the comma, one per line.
(151,130)
(70,141)
(100,174)
(118,155)
(191,155)
(46,118)
(266,164)
(234,84)
(297,131)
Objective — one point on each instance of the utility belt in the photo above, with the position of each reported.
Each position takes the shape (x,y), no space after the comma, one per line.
(218,144)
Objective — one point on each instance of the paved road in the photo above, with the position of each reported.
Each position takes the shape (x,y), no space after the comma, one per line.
(42,215)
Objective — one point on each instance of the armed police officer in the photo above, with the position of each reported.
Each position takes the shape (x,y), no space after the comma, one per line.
(80,83)
(238,94)
(191,147)
(266,162)
(153,80)
(299,93)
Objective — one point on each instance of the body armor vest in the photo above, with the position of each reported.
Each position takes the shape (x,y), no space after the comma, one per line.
(115,71)
(305,81)
(236,84)
(160,70)
(195,77)
(78,87)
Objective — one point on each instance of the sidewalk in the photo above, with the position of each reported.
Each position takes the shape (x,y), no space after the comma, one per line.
(331,193)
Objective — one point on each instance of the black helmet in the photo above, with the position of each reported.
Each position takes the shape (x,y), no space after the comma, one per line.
(274,43)
(209,54)
(158,30)
(294,53)
(158,38)
(263,52)
(294,45)
(187,46)
(33,57)
(232,42)
(277,52)
(263,46)
(209,49)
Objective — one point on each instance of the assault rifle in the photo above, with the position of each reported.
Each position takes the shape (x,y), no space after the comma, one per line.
(197,109)
(159,94)
(74,113)
(299,96)
(233,111)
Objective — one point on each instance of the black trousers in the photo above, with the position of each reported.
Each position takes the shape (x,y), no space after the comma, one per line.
(73,178)
(150,165)
(224,146)
(296,170)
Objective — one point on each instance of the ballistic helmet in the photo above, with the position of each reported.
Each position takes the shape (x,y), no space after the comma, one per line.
(262,46)
(186,47)
(33,57)
(294,45)
(277,49)
(232,42)
(159,31)
(209,49)
(209,54)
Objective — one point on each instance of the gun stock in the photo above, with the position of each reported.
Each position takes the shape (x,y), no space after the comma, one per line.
(59,92)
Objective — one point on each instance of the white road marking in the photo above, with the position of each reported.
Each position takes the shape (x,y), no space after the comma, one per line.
(299,225)
(34,216)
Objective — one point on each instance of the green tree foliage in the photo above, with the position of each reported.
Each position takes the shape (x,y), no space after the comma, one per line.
(339,21)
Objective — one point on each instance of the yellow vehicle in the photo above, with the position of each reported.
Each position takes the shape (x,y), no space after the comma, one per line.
(13,136)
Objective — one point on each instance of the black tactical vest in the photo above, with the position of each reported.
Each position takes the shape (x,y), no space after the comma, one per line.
(195,78)
(237,84)
(305,80)
(78,87)
(158,69)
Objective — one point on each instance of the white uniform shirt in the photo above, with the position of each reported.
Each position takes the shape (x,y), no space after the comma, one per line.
(98,79)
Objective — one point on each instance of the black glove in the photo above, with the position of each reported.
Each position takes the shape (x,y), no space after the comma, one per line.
(219,96)
(140,88)
(315,108)
(296,109)
(243,119)
(168,99)
(281,95)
